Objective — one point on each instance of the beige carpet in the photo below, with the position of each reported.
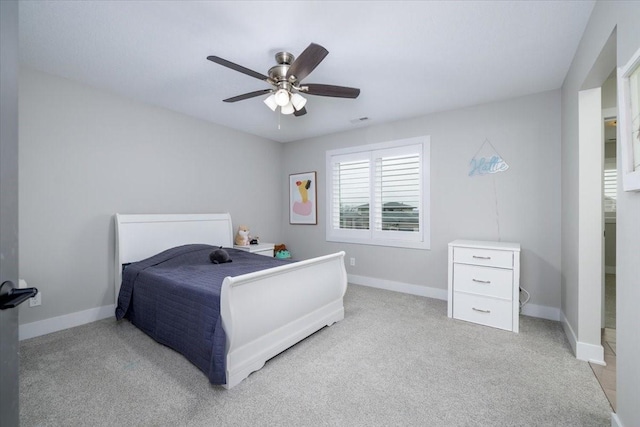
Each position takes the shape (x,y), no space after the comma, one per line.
(395,359)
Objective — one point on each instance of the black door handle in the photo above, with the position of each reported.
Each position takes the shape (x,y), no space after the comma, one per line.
(11,297)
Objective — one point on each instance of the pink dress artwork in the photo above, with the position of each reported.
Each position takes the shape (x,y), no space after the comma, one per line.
(305,207)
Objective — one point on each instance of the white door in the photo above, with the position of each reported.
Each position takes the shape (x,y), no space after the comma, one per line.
(8,210)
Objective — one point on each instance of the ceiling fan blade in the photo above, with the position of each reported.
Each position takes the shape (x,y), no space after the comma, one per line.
(247,95)
(330,90)
(237,67)
(307,61)
(300,112)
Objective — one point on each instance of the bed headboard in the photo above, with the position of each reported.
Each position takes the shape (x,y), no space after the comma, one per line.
(141,236)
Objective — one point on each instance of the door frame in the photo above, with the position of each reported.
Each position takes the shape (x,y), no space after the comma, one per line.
(9,368)
(590,204)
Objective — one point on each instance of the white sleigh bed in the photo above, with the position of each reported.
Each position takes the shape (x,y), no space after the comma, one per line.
(303,296)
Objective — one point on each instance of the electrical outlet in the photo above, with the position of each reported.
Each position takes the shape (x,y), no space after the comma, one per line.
(36,301)
(352,261)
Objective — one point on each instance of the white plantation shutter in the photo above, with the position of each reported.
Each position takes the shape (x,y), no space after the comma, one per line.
(378,194)
(397,190)
(610,188)
(350,192)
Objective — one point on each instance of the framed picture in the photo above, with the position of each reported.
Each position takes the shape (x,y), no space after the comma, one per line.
(629,122)
(303,206)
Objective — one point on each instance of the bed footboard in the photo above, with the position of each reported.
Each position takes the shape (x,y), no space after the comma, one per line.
(266,312)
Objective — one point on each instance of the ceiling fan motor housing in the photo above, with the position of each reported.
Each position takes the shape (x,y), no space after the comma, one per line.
(278,73)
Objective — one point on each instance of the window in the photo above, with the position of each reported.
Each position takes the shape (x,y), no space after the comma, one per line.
(379,194)
(610,187)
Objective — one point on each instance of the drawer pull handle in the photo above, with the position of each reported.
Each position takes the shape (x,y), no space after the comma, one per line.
(481,281)
(481,257)
(481,311)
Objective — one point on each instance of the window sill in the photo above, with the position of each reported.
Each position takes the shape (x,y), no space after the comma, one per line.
(407,244)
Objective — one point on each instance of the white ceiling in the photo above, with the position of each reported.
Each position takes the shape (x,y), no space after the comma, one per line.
(408,58)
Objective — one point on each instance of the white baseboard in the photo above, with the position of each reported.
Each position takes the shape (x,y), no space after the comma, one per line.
(568,331)
(533,310)
(615,421)
(608,269)
(542,312)
(406,288)
(593,353)
(584,351)
(55,324)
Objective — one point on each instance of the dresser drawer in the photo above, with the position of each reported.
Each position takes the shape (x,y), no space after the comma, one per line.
(488,257)
(488,281)
(264,249)
(265,252)
(483,310)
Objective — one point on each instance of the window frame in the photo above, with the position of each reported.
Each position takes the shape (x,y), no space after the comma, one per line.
(371,236)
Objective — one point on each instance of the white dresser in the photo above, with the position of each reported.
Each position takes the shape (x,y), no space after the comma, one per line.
(484,283)
(265,249)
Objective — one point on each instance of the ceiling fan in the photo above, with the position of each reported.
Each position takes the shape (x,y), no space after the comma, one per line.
(286,81)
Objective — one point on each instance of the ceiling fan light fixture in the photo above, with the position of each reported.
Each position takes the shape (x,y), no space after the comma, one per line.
(287,109)
(298,101)
(286,81)
(271,102)
(282,97)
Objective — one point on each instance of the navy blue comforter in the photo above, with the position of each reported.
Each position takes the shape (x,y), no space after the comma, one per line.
(174,297)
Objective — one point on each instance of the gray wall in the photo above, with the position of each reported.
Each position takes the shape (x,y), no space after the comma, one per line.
(525,131)
(609,89)
(607,16)
(87,154)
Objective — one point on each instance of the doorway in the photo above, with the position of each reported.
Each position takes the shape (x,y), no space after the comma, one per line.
(610,189)
(594,96)
(606,374)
